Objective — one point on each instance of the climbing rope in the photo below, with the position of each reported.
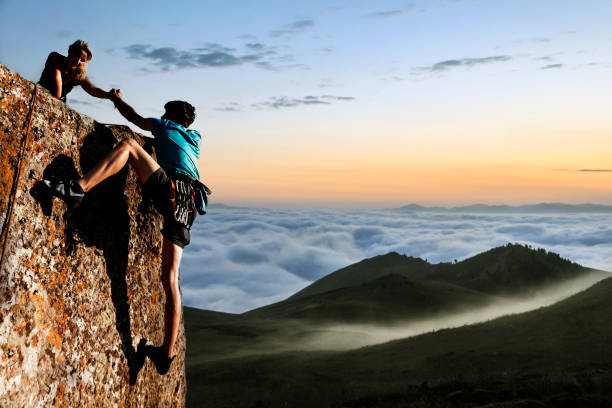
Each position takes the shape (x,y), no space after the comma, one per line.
(17,176)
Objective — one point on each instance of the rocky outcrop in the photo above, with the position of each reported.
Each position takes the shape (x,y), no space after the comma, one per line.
(78,288)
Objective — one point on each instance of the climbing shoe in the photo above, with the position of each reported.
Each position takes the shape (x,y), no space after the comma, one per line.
(69,191)
(160,360)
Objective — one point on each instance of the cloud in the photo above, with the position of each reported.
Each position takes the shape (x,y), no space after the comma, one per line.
(552,66)
(596,170)
(92,102)
(231,107)
(255,46)
(243,258)
(277,102)
(242,255)
(208,56)
(64,34)
(293,28)
(385,14)
(469,62)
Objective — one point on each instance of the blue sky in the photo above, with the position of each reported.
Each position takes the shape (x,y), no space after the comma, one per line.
(355,103)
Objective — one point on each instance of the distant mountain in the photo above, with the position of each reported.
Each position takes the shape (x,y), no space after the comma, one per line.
(504,269)
(508,209)
(395,287)
(390,298)
(221,206)
(365,271)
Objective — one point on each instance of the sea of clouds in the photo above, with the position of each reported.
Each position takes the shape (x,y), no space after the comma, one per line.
(243,258)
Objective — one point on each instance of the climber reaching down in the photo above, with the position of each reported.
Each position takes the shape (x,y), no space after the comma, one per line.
(172,185)
(61,73)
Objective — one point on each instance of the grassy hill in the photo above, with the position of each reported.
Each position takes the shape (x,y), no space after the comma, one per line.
(365,271)
(552,357)
(389,298)
(395,287)
(503,270)
(273,356)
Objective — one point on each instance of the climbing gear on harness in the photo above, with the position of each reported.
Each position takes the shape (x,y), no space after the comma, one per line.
(182,198)
(187,196)
(69,191)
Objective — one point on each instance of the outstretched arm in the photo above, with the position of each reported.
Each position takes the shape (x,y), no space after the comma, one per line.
(129,113)
(57,81)
(93,90)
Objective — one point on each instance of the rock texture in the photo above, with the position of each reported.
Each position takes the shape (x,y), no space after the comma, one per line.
(80,288)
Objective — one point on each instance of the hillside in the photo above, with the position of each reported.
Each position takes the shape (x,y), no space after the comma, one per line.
(282,352)
(364,271)
(504,269)
(395,287)
(551,357)
(508,270)
(389,298)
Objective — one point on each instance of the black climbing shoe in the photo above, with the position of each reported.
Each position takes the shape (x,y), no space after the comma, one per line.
(160,360)
(68,190)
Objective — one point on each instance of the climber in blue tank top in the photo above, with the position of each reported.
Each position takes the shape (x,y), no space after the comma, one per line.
(171,183)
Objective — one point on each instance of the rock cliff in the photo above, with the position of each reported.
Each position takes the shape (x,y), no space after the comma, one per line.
(80,288)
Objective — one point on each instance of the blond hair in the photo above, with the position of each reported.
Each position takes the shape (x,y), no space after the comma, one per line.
(77,46)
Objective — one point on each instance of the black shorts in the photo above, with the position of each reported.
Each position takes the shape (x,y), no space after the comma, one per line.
(157,189)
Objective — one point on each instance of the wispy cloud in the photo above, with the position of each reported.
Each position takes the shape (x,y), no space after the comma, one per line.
(596,170)
(292,28)
(278,102)
(385,14)
(64,34)
(210,55)
(231,107)
(552,66)
(92,102)
(465,62)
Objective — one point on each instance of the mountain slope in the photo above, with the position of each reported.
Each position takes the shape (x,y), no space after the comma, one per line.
(395,287)
(554,356)
(503,270)
(508,270)
(363,272)
(390,298)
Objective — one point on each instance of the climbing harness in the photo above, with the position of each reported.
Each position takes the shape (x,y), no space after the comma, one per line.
(22,150)
(185,196)
(182,198)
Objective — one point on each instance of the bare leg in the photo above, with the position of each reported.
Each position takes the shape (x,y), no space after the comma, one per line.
(113,162)
(171,258)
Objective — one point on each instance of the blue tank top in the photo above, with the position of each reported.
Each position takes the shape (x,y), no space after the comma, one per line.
(177,148)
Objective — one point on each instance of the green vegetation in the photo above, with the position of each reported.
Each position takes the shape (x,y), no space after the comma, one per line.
(551,357)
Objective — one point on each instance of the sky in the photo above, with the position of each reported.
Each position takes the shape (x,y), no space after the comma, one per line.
(358,104)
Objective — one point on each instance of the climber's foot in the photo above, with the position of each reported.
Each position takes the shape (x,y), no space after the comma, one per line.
(161,361)
(70,191)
